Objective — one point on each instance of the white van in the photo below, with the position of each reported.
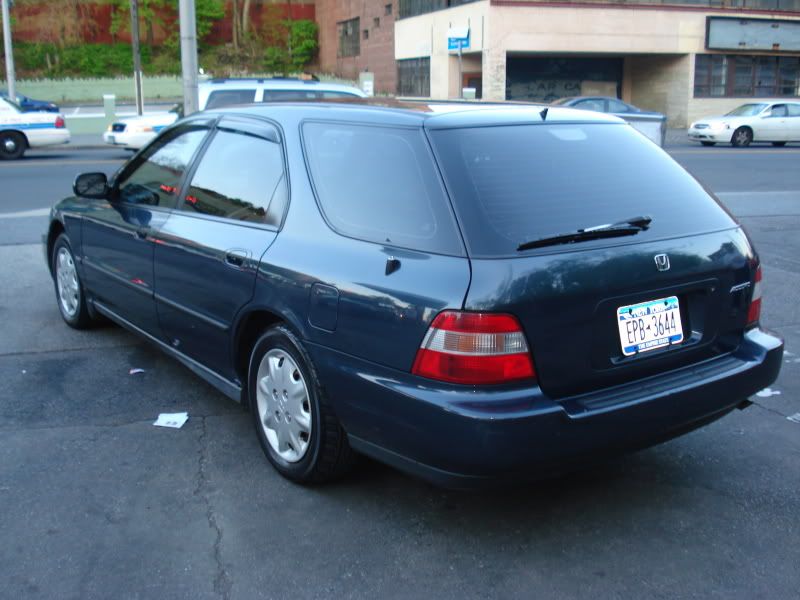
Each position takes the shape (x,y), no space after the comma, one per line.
(135,132)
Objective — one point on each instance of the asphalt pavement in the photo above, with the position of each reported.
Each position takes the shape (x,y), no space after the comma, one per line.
(95,502)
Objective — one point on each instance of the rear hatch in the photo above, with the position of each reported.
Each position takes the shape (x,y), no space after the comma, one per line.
(585,305)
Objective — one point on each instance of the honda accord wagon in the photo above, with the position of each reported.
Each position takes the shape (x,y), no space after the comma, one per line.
(468,295)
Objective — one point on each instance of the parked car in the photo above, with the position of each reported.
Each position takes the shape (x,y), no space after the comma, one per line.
(20,130)
(468,296)
(135,132)
(652,124)
(27,104)
(773,122)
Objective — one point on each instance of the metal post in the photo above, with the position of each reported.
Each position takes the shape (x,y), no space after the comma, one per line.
(137,56)
(188,56)
(460,76)
(12,88)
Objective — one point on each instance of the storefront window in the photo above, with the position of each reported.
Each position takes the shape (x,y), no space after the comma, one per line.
(725,75)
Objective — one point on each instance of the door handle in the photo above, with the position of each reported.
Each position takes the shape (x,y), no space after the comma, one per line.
(236,258)
(142,232)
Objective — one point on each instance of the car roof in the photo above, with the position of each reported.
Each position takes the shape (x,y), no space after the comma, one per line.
(433,115)
(278,83)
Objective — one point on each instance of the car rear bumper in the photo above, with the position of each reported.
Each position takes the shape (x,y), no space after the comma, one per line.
(462,437)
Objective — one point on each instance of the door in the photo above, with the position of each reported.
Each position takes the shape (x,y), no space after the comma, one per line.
(206,263)
(119,233)
(773,125)
(793,120)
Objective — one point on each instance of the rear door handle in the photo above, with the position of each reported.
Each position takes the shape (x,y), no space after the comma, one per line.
(236,258)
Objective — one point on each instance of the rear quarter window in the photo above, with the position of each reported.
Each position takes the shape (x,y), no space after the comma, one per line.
(514,184)
(380,184)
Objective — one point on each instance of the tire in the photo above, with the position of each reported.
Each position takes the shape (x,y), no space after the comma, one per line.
(709,143)
(742,137)
(779,144)
(296,427)
(12,145)
(70,295)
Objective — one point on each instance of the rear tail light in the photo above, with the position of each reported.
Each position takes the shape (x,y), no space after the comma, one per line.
(474,348)
(754,312)
(60,122)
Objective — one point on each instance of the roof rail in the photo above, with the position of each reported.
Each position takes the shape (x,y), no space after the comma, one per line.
(306,77)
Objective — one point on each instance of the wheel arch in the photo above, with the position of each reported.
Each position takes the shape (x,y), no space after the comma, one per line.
(20,133)
(249,327)
(56,229)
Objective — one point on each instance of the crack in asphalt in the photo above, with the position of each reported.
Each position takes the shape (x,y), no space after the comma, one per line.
(17,429)
(768,409)
(76,349)
(222,580)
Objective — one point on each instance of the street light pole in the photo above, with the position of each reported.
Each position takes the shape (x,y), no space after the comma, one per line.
(12,91)
(137,56)
(188,56)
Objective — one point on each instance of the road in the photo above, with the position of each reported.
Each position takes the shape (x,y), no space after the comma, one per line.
(95,502)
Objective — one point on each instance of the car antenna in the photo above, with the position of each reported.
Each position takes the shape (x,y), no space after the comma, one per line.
(543,114)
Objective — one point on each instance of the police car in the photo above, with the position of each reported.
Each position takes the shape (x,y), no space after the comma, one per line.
(135,132)
(22,130)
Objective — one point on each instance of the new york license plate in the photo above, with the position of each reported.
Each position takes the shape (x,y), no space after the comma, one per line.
(649,325)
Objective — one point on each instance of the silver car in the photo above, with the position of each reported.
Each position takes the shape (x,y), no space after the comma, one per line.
(651,124)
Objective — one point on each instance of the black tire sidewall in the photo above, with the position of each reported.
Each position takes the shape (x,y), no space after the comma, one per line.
(281,338)
(738,144)
(21,145)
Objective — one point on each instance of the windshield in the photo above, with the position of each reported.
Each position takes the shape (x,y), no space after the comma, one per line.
(562,100)
(747,110)
(513,184)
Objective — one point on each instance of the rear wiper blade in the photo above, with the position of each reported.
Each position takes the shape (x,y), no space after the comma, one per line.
(627,227)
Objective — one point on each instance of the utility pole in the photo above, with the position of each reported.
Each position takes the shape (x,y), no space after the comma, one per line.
(12,91)
(188,55)
(137,56)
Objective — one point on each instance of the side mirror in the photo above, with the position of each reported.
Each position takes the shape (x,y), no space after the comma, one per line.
(91,185)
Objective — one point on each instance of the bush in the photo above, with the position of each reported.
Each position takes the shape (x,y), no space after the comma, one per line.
(84,60)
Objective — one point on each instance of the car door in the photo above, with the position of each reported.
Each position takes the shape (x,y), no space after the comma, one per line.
(119,233)
(772,125)
(793,120)
(210,247)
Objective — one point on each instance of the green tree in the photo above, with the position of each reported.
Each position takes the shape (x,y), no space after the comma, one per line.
(164,13)
(291,45)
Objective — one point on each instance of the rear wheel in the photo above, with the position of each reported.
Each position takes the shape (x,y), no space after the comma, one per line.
(742,137)
(12,145)
(69,290)
(708,143)
(779,144)
(297,429)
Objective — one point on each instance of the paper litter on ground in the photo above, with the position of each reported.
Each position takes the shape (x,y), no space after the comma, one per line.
(135,371)
(174,420)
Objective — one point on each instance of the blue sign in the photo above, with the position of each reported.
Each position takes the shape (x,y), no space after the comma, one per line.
(458,38)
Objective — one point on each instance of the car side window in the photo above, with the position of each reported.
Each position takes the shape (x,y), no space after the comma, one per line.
(219,98)
(241,176)
(778,110)
(157,173)
(793,110)
(380,184)
(289,95)
(615,106)
(590,104)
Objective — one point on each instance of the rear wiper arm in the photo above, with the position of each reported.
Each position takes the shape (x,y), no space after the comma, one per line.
(627,227)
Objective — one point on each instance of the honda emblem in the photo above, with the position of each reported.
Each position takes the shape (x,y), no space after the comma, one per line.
(662,262)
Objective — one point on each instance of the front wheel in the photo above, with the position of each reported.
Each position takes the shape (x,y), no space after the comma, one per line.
(742,137)
(69,289)
(297,429)
(708,143)
(12,145)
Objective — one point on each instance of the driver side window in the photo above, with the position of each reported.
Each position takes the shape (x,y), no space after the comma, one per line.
(779,110)
(157,174)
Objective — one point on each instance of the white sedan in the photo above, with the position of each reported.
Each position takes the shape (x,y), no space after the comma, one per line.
(135,132)
(22,130)
(774,122)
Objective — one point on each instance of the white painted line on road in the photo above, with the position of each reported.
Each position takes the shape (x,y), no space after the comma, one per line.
(38,212)
(736,152)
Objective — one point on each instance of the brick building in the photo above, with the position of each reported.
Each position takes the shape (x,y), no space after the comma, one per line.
(356,36)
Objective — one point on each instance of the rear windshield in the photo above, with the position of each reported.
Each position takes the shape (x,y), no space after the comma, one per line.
(514,184)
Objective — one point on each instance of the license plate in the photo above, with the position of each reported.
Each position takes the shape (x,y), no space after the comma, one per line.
(649,325)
